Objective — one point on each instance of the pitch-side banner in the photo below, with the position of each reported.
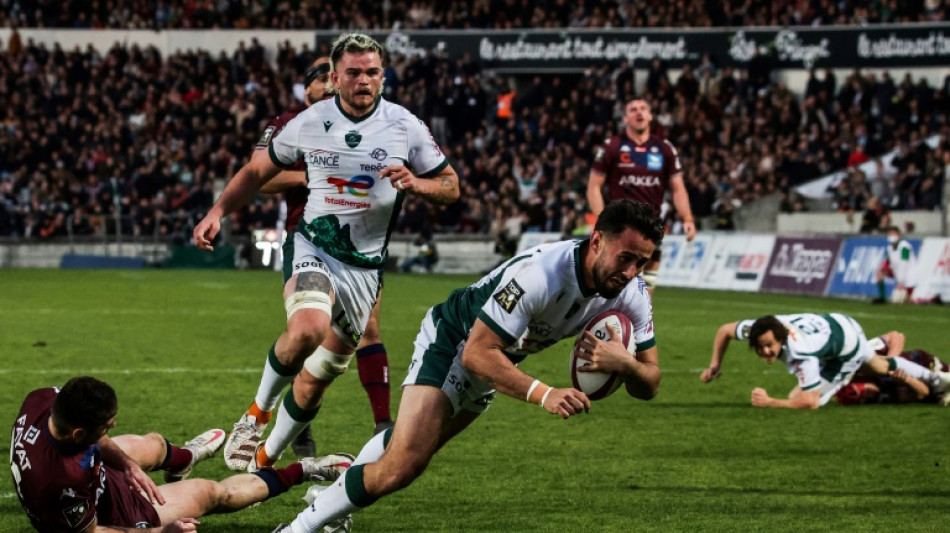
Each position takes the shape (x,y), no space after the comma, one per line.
(683,261)
(933,270)
(801,264)
(736,262)
(857,266)
(576,50)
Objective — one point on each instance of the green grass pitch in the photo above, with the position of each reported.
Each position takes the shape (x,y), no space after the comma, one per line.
(184,350)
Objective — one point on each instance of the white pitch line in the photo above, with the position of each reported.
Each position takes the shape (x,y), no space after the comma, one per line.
(7,495)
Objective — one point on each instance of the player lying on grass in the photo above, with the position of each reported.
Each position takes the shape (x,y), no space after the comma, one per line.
(897,386)
(469,346)
(822,350)
(71,476)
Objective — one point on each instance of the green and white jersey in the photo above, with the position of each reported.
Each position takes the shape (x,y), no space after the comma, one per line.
(818,345)
(537,298)
(351,211)
(903,263)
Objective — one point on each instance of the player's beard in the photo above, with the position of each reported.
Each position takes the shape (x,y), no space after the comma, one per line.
(359,105)
(606,284)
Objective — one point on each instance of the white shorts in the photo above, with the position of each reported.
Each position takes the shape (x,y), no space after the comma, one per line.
(834,376)
(437,361)
(355,289)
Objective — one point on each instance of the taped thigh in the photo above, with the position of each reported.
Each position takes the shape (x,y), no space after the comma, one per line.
(326,365)
(308,300)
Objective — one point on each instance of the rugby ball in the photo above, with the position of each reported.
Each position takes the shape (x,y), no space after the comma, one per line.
(599,385)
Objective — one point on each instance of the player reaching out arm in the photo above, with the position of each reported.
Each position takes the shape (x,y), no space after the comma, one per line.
(822,350)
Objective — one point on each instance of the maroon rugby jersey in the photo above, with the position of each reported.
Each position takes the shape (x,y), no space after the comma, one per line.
(65,490)
(640,172)
(296,198)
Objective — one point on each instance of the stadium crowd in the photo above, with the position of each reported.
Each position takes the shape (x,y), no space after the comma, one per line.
(90,134)
(430,14)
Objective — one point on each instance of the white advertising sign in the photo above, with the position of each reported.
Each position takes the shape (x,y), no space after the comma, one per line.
(736,262)
(933,270)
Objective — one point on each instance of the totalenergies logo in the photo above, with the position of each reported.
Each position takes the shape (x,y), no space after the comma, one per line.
(355,185)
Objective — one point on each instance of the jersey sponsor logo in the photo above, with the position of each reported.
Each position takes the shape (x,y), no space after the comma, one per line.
(142,525)
(379,154)
(508,297)
(637,180)
(354,186)
(75,513)
(324,159)
(266,136)
(541,329)
(625,159)
(327,124)
(655,161)
(372,168)
(599,154)
(352,138)
(316,263)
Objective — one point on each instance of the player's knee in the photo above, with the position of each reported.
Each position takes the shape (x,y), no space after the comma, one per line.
(326,365)
(305,336)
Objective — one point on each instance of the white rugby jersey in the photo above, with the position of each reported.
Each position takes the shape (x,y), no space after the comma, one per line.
(537,298)
(351,211)
(816,346)
(903,262)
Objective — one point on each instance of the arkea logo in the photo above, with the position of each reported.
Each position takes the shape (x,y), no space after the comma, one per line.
(354,186)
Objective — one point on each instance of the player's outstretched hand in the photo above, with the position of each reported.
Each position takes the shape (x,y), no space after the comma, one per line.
(205,232)
(182,525)
(760,398)
(566,402)
(400,176)
(710,374)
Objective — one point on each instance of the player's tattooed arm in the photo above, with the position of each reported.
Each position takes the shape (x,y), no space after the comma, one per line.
(313,281)
(442,188)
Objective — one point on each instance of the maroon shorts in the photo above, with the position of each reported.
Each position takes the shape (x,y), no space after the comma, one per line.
(123,506)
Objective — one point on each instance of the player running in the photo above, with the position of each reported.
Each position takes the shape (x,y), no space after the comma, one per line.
(363,155)
(371,358)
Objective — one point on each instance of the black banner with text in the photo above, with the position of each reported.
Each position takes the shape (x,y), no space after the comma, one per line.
(909,45)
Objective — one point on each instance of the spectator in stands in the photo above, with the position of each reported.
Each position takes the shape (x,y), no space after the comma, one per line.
(876,218)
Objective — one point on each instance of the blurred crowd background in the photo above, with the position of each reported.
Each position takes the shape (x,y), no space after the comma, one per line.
(89,134)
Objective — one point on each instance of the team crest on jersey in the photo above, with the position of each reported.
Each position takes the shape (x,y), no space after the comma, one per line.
(744,331)
(352,138)
(379,154)
(655,161)
(266,136)
(75,513)
(508,297)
